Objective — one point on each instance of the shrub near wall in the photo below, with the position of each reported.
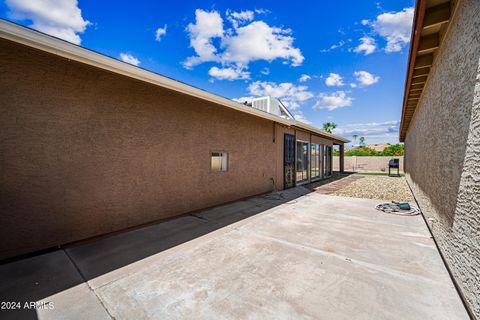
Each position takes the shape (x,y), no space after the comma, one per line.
(394,150)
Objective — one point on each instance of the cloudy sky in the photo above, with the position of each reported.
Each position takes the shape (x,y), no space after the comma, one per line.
(341,61)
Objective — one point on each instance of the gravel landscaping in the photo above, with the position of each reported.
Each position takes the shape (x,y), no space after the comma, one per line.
(377,187)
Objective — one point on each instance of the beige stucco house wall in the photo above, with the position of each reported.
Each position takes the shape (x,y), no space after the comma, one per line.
(86,151)
(442,150)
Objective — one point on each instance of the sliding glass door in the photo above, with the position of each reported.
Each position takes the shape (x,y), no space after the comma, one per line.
(303,164)
(312,161)
(315,161)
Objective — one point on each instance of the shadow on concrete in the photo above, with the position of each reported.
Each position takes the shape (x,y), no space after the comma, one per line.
(36,277)
(32,279)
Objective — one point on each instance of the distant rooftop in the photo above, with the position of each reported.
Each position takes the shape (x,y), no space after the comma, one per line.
(270,105)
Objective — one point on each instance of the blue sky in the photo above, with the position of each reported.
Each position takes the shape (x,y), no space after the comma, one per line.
(352,54)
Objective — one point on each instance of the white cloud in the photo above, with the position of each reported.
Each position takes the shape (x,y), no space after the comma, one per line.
(332,101)
(265,71)
(304,78)
(62,19)
(290,94)
(395,27)
(372,129)
(365,78)
(353,85)
(128,58)
(238,18)
(367,46)
(365,22)
(246,15)
(208,25)
(160,33)
(262,11)
(228,73)
(299,116)
(340,44)
(334,80)
(248,40)
(259,41)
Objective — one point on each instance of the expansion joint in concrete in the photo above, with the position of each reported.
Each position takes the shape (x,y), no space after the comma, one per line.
(88,284)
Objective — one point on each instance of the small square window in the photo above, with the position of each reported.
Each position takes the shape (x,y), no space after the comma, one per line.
(219,161)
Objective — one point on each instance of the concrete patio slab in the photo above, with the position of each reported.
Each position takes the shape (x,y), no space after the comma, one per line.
(104,260)
(76,303)
(97,259)
(52,281)
(285,255)
(321,257)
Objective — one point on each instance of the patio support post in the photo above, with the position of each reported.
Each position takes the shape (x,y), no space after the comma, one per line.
(342,158)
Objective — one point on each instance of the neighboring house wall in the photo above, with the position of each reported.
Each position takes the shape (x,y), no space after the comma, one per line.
(366,163)
(84,152)
(442,150)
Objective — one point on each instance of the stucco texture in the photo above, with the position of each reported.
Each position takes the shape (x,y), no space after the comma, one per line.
(442,150)
(86,152)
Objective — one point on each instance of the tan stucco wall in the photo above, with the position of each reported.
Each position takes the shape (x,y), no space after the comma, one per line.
(442,150)
(366,164)
(320,140)
(84,152)
(302,135)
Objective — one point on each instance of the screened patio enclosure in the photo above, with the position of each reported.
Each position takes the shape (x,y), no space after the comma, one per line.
(312,161)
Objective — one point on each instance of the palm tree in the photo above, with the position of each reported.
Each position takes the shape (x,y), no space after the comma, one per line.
(362,141)
(355,136)
(329,126)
